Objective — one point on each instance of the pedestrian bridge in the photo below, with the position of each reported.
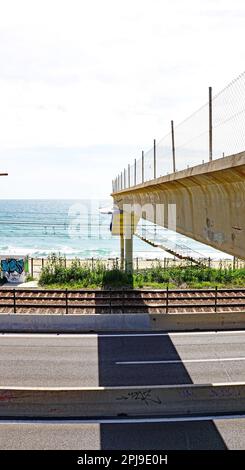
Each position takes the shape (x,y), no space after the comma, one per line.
(207,200)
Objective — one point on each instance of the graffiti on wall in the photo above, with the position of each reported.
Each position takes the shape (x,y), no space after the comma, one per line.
(13,269)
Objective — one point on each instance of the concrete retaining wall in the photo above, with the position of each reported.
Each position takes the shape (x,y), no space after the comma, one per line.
(73,323)
(198,321)
(122,401)
(121,322)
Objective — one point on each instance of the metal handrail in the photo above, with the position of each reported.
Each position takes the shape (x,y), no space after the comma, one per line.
(123,300)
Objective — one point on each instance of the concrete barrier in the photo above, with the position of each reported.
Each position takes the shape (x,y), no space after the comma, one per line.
(122,401)
(48,323)
(197,321)
(73,323)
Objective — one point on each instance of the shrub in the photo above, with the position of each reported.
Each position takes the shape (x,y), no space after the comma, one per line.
(55,272)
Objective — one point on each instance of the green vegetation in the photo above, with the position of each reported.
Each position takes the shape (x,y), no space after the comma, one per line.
(77,275)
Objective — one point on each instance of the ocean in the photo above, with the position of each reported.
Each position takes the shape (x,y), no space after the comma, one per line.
(77,228)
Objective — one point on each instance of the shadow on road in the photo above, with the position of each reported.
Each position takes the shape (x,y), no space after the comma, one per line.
(142,348)
(199,435)
(113,353)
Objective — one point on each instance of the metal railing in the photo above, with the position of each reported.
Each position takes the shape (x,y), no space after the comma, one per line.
(215,130)
(37,264)
(121,301)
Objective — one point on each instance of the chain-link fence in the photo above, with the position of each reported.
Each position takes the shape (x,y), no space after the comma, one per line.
(214,131)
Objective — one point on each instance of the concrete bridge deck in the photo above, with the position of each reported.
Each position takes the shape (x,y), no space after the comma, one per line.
(209,201)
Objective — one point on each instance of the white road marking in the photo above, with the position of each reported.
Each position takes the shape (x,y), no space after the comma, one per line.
(125,387)
(118,335)
(180,361)
(174,419)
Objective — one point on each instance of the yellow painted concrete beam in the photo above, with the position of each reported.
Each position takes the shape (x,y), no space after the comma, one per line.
(209,199)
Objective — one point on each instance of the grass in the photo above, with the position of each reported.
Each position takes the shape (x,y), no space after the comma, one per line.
(81,276)
(56,275)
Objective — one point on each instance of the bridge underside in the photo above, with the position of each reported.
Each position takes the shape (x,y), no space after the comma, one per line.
(209,200)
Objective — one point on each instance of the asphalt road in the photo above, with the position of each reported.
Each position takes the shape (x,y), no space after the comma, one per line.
(210,434)
(121,359)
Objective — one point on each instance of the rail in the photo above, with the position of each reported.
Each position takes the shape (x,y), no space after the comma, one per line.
(121,301)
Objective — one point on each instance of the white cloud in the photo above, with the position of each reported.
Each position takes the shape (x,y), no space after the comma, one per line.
(80,73)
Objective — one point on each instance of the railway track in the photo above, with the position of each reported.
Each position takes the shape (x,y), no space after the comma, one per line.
(45,301)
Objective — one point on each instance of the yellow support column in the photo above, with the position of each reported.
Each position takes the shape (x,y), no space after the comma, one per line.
(129,242)
(122,258)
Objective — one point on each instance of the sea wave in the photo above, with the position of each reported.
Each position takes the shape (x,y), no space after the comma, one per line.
(99,253)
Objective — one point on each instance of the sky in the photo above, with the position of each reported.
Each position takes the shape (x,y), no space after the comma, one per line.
(85,85)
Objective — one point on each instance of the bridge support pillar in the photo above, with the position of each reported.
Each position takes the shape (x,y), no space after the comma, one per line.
(122,257)
(129,254)
(129,243)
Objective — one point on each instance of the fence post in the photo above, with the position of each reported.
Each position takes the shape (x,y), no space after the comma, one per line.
(32,267)
(167,299)
(128,176)
(14,301)
(124,183)
(155,160)
(135,178)
(215,300)
(210,124)
(66,302)
(122,300)
(42,263)
(173,145)
(110,310)
(121,180)
(143,166)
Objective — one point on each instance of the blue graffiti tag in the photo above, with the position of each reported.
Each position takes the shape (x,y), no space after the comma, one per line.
(12,265)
